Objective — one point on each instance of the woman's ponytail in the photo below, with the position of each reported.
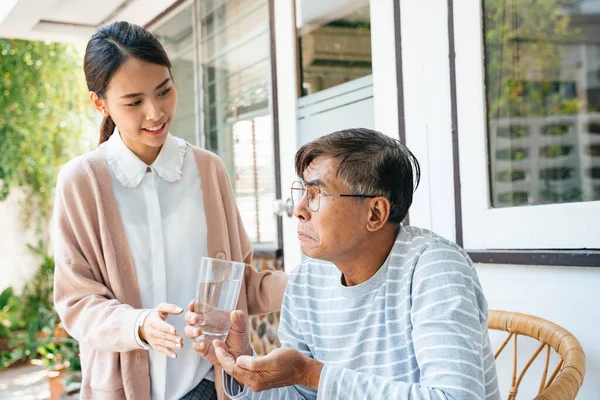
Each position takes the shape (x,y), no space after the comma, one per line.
(106,129)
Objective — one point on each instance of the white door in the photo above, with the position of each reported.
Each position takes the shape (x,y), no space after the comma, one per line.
(336,61)
(334,105)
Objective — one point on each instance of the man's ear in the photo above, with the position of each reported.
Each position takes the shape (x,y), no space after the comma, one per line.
(98,103)
(379,212)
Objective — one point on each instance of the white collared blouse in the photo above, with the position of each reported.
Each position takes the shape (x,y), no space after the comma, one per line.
(162,209)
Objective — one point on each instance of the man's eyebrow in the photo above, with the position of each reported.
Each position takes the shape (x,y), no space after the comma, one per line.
(316,182)
(130,95)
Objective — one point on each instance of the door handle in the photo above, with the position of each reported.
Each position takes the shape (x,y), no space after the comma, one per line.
(283,207)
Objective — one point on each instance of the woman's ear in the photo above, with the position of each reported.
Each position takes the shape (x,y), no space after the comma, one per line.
(98,104)
(379,212)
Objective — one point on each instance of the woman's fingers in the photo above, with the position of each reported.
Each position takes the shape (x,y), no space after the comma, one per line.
(159,324)
(157,334)
(165,351)
(166,308)
(169,344)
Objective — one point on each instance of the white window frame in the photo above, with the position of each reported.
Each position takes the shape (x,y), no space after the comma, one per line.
(555,226)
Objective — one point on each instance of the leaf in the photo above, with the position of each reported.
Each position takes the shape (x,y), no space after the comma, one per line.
(36,141)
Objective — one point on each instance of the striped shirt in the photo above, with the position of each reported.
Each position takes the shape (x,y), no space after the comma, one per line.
(417,329)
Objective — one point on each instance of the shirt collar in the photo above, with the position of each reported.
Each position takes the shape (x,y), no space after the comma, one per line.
(130,170)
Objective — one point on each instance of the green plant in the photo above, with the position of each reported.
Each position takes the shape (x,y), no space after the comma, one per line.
(43,110)
(36,335)
(511,175)
(10,311)
(557,130)
(524,59)
(555,150)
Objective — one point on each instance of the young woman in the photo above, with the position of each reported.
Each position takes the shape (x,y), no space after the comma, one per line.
(132,220)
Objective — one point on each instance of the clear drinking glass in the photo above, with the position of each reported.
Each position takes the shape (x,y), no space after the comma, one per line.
(217,291)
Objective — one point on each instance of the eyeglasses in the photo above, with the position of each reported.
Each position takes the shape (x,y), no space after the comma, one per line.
(313,195)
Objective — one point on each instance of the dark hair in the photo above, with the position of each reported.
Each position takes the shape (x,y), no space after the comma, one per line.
(108,49)
(369,163)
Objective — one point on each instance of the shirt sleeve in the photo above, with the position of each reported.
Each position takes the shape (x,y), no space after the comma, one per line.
(88,309)
(447,330)
(138,324)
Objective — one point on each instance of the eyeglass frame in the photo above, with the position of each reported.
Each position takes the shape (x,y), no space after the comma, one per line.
(320,193)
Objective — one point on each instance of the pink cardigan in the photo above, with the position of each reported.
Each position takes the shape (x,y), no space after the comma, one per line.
(95,288)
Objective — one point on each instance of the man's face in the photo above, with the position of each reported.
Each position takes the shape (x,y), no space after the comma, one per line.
(334,232)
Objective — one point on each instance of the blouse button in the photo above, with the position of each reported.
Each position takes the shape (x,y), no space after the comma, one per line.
(221,255)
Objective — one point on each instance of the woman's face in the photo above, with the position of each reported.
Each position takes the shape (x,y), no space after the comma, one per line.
(141,99)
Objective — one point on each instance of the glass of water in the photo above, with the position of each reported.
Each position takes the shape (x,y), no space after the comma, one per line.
(217,291)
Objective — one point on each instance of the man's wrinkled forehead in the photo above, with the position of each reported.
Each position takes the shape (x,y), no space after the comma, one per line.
(322,172)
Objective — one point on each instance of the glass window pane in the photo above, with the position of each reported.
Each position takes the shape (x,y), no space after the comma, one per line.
(176,36)
(236,79)
(334,42)
(542,62)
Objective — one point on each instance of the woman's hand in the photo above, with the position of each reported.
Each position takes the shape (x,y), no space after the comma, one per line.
(158,333)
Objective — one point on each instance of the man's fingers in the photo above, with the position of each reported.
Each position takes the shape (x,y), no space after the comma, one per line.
(219,344)
(191,318)
(226,360)
(189,331)
(202,348)
(165,351)
(238,321)
(252,363)
(206,351)
(192,332)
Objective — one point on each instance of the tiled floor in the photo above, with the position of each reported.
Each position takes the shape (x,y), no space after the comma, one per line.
(24,383)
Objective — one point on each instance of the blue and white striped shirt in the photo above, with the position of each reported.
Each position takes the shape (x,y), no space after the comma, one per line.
(417,329)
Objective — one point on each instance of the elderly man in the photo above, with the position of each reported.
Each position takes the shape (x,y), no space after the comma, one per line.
(378,310)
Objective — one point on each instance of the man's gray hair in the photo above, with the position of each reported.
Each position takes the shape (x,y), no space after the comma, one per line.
(369,163)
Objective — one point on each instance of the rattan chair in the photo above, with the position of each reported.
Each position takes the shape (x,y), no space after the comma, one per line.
(566,379)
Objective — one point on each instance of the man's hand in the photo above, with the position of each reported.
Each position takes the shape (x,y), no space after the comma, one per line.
(281,367)
(237,338)
(158,333)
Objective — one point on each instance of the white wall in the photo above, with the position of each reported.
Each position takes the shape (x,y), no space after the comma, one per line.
(427,111)
(567,296)
(17,263)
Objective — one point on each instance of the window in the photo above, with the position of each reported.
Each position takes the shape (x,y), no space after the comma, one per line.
(236,81)
(542,77)
(528,142)
(176,36)
(334,42)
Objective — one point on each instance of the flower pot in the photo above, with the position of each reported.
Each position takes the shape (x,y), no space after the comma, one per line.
(60,332)
(55,378)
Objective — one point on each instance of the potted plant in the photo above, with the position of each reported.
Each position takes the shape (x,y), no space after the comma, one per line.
(34,331)
(10,321)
